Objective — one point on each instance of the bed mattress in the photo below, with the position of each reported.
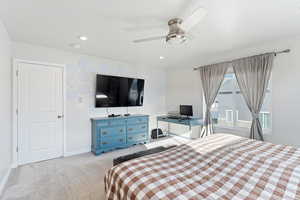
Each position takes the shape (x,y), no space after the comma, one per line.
(220,166)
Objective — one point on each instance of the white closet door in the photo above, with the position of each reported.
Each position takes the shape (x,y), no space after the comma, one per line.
(40,117)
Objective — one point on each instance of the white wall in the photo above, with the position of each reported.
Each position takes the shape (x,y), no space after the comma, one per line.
(184,87)
(285,84)
(81,73)
(5,104)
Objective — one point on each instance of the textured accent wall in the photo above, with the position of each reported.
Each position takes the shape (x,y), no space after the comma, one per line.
(81,73)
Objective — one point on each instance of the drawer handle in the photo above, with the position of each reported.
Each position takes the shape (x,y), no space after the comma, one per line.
(121,130)
(130,129)
(104,142)
(130,138)
(121,140)
(104,133)
(140,120)
(143,126)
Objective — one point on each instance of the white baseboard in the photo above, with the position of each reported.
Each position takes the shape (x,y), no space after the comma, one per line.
(4,180)
(14,165)
(79,151)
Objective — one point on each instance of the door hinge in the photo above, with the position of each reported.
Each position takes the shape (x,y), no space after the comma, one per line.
(17,150)
(17,73)
(17,111)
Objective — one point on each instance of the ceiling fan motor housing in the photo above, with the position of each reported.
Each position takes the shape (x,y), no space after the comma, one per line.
(176,34)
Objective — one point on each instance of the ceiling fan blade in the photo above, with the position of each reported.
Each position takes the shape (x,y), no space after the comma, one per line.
(194,19)
(149,39)
(145,27)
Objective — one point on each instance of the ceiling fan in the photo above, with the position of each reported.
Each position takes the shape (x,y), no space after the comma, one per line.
(178,28)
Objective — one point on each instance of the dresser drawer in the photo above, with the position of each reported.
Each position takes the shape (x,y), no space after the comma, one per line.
(137,137)
(137,120)
(113,131)
(138,128)
(115,122)
(113,141)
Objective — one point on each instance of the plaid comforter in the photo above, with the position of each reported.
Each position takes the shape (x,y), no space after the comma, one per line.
(220,166)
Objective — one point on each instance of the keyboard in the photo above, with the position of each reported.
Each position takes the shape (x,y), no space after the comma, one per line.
(174,117)
(178,117)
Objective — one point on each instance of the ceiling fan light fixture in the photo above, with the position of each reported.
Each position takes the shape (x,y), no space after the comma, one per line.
(175,39)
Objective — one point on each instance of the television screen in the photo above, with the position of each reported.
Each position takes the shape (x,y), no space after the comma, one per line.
(114,91)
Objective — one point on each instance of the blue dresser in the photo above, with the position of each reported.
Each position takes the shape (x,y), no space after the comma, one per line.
(119,132)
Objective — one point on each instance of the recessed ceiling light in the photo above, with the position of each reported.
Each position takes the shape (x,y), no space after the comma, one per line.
(75,46)
(161,57)
(83,38)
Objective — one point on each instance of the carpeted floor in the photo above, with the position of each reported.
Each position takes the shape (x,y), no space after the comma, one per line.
(72,178)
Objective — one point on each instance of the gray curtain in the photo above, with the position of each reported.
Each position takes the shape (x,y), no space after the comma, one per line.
(211,77)
(253,75)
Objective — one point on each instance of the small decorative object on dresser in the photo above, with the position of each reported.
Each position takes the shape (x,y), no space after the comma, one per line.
(119,132)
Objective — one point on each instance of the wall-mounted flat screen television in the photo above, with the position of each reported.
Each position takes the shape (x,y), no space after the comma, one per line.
(115,91)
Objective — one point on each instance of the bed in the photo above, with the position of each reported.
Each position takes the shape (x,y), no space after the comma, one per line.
(220,166)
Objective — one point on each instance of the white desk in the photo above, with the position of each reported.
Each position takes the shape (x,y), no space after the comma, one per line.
(191,122)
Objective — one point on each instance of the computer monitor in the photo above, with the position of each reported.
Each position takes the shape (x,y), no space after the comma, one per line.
(186,110)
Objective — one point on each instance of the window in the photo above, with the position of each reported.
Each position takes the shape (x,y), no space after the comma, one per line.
(230,109)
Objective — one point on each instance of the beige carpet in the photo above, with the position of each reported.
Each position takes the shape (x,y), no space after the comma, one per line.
(71,178)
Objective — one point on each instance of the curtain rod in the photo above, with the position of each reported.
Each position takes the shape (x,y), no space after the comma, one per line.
(276,53)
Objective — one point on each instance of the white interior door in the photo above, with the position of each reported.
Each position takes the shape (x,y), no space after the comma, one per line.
(40,112)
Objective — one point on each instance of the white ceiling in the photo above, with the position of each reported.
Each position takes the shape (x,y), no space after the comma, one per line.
(111,26)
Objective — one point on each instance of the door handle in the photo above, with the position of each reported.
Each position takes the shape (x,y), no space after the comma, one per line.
(59,116)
